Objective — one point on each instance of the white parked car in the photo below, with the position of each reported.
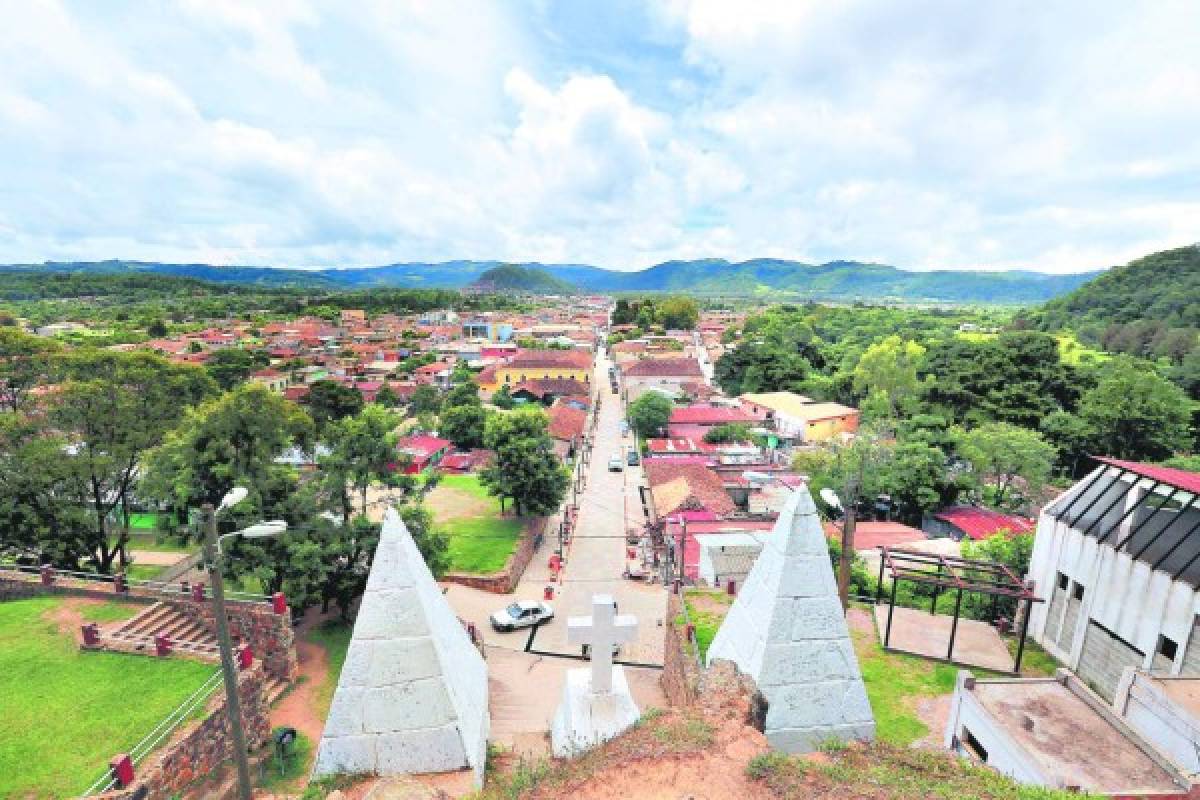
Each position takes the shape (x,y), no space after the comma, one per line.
(521,614)
(616,463)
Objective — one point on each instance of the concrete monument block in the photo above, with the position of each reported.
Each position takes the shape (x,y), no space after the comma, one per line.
(412,696)
(786,630)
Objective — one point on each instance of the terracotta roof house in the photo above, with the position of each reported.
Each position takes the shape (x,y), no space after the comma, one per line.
(424,450)
(465,461)
(667,375)
(678,486)
(548,390)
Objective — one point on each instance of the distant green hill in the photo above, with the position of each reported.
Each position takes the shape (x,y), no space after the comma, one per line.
(516,278)
(1149,307)
(835,280)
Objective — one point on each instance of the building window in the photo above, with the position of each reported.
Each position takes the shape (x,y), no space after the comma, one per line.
(1077,593)
(1167,648)
(1062,581)
(973,746)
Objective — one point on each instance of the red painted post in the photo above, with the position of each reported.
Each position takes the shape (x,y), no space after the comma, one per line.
(198,592)
(731,587)
(279,603)
(691,632)
(122,769)
(120,586)
(162,645)
(548,593)
(91,635)
(47,575)
(245,657)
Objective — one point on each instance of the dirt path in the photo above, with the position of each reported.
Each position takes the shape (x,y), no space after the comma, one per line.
(71,613)
(154,558)
(298,708)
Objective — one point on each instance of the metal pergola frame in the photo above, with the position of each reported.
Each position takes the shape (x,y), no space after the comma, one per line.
(957,574)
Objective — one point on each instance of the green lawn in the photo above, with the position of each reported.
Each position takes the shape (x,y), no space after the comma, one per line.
(480,539)
(146,572)
(64,713)
(707,609)
(334,637)
(895,683)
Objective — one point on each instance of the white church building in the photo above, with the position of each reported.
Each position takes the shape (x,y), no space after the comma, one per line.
(1117,558)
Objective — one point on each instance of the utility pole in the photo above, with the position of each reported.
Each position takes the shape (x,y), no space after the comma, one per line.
(848,522)
(233,706)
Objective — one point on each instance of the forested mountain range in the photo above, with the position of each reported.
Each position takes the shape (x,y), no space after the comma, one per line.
(514,277)
(835,280)
(1149,307)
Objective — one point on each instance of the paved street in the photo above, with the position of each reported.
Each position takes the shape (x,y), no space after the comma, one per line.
(526,685)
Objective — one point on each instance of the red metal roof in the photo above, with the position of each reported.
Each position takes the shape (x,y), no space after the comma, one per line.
(1178,478)
(423,445)
(980,523)
(709,415)
(872,535)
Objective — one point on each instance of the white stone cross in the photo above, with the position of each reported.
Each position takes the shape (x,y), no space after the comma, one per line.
(603,629)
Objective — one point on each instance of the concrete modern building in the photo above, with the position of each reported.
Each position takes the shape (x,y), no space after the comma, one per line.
(1054,732)
(1117,558)
(799,419)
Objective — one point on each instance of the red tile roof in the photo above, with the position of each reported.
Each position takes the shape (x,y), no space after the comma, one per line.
(423,445)
(710,415)
(980,523)
(1177,478)
(665,368)
(566,423)
(703,484)
(559,387)
(549,359)
(872,535)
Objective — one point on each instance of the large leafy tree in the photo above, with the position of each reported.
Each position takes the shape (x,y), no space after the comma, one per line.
(650,413)
(1136,413)
(1006,457)
(25,362)
(890,368)
(233,440)
(678,312)
(113,408)
(362,451)
(330,401)
(425,399)
(231,366)
(525,469)
(464,425)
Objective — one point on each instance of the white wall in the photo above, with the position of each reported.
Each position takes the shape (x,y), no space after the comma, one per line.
(1123,595)
(1003,754)
(1171,728)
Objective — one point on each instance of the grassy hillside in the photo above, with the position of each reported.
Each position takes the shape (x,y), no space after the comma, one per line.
(513,277)
(1149,307)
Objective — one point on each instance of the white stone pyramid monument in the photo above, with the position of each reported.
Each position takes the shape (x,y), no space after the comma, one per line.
(786,630)
(413,693)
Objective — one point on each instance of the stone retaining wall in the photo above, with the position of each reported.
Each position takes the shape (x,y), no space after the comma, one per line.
(197,750)
(270,635)
(681,673)
(506,580)
(20,589)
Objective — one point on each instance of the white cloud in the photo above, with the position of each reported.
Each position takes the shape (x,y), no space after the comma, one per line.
(932,135)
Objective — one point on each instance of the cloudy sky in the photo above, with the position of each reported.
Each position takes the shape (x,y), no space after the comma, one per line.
(1051,135)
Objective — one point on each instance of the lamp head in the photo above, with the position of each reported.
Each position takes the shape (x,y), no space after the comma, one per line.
(234,496)
(264,529)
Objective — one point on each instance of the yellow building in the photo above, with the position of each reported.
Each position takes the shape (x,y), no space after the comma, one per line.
(797,417)
(531,365)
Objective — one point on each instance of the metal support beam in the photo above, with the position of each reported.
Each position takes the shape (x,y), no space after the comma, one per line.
(1024,634)
(879,583)
(1112,484)
(887,631)
(1099,474)
(954,625)
(1186,537)
(1134,532)
(1107,509)
(1129,512)
(1178,516)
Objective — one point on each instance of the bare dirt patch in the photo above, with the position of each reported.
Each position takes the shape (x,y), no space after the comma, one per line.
(448,503)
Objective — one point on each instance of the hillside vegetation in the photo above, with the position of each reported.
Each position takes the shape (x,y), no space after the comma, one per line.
(516,278)
(1149,307)
(835,280)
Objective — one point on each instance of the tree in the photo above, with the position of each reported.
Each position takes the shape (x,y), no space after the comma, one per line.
(113,408)
(916,479)
(433,544)
(463,394)
(1137,414)
(233,440)
(1003,455)
(25,362)
(230,366)
(1071,436)
(890,367)
(733,432)
(425,399)
(1014,551)
(362,450)
(157,328)
(525,468)
(330,401)
(387,397)
(502,398)
(678,312)
(650,413)
(464,425)
(349,552)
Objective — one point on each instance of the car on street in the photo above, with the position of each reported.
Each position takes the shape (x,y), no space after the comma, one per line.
(624,428)
(632,457)
(616,463)
(521,614)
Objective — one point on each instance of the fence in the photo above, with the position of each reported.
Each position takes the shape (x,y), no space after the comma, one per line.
(182,713)
(117,584)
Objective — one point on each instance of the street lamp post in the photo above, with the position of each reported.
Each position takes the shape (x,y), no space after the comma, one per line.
(212,554)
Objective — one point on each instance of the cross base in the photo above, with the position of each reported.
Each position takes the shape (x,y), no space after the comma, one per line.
(585,719)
